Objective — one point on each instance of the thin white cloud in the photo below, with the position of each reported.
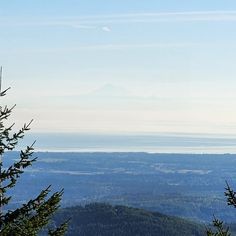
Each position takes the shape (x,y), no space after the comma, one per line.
(134,46)
(78,26)
(125,16)
(103,47)
(91,27)
(106,29)
(93,21)
(161,17)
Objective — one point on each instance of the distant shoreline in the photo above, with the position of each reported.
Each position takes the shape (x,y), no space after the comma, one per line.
(130,143)
(132,152)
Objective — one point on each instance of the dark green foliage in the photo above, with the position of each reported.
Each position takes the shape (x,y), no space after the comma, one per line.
(34,215)
(230,195)
(220,230)
(106,220)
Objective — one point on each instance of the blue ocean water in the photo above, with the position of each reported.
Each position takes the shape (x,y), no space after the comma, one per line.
(153,143)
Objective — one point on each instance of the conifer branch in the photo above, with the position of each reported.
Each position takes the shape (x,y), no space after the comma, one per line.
(230,195)
(33,216)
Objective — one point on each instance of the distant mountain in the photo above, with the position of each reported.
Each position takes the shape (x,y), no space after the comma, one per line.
(106,220)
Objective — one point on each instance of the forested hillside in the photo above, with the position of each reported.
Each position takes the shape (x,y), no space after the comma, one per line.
(106,220)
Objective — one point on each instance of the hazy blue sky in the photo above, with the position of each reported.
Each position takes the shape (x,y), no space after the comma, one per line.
(121,65)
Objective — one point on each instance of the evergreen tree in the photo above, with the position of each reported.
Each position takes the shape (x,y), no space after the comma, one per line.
(33,216)
(220,230)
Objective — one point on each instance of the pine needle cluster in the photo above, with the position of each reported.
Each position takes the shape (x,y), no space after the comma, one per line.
(34,216)
(218,225)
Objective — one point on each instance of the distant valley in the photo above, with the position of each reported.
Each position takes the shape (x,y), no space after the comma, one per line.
(185,185)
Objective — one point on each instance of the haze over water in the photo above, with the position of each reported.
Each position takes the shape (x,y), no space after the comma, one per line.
(154,143)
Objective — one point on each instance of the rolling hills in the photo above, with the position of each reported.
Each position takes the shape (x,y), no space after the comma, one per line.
(101,219)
